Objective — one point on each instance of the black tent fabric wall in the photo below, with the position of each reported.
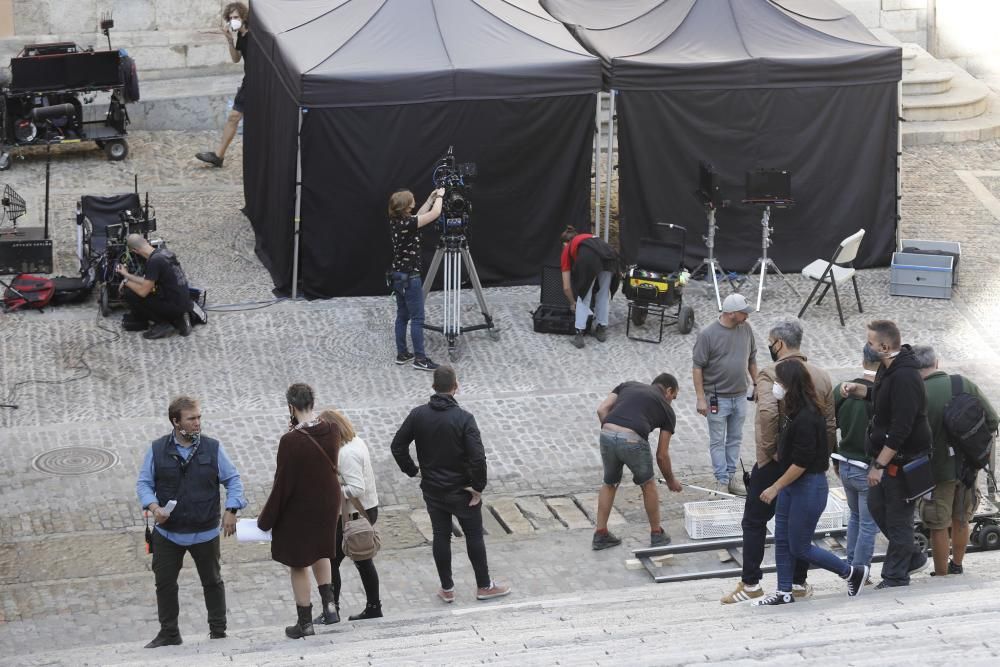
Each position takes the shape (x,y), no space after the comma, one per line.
(533,158)
(839,143)
(788,84)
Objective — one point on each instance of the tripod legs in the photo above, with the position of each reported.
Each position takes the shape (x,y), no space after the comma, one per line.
(453,255)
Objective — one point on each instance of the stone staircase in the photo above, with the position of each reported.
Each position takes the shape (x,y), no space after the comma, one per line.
(933,622)
(942,103)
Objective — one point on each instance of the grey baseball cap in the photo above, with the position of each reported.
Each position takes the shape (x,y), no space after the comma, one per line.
(736,303)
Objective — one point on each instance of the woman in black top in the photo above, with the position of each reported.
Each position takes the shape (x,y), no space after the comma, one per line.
(802,490)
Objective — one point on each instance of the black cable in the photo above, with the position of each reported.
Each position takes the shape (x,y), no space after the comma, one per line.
(240,307)
(81,364)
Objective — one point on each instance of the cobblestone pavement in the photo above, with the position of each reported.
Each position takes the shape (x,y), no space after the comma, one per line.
(72,569)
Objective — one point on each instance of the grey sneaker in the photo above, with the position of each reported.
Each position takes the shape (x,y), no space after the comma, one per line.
(578,340)
(601,333)
(660,539)
(736,487)
(404,358)
(211,158)
(605,541)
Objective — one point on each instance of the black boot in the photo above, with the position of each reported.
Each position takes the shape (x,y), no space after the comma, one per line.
(304,628)
(331,610)
(371,611)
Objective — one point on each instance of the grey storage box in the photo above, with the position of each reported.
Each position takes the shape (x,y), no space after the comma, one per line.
(913,274)
(922,246)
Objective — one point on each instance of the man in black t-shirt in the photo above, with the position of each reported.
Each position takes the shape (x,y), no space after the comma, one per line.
(628,415)
(235,28)
(160,295)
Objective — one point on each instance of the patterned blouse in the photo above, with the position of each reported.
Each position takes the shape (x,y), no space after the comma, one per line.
(405,244)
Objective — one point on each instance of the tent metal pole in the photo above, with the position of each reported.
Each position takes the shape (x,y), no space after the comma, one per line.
(607,174)
(298,209)
(899,165)
(597,170)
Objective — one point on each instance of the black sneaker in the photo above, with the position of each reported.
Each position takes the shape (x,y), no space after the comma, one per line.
(424,364)
(404,358)
(578,341)
(183,325)
(160,330)
(955,569)
(165,640)
(918,564)
(604,541)
(660,539)
(882,585)
(856,580)
(601,333)
(211,158)
(217,634)
(774,599)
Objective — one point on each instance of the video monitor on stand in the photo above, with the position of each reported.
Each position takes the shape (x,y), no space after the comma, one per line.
(710,195)
(766,188)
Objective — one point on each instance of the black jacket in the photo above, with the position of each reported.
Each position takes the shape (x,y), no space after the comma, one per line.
(804,442)
(900,409)
(449,448)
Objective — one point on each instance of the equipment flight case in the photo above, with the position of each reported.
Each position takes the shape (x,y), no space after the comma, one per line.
(553,314)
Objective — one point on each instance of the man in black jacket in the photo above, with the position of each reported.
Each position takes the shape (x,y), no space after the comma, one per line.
(453,476)
(899,433)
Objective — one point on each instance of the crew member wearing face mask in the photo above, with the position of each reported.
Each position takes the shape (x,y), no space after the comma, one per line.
(235,29)
(187,467)
(783,342)
(899,433)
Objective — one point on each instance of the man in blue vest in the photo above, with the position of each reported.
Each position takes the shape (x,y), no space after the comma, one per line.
(179,485)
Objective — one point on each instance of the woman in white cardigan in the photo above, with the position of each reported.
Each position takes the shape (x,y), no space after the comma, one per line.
(358,484)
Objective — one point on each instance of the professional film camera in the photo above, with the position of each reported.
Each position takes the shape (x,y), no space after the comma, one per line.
(456,179)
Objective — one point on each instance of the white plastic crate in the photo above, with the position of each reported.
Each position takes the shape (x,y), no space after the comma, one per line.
(714,518)
(840,496)
(831,518)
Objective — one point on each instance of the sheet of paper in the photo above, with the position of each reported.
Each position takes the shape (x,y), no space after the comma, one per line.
(247,531)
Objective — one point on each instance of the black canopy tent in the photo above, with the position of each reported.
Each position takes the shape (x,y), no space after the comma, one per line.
(791,84)
(361,97)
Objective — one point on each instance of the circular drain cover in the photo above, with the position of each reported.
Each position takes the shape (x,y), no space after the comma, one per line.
(74,461)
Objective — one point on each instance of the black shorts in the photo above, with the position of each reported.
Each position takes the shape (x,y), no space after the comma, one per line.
(240,97)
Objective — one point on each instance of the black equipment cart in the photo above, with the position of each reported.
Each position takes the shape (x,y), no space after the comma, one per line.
(50,88)
(654,285)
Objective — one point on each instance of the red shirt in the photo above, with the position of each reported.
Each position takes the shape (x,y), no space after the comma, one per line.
(570,250)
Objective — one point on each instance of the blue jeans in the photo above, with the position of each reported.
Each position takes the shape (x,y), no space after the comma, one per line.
(602,306)
(409,291)
(799,507)
(725,435)
(621,449)
(861,528)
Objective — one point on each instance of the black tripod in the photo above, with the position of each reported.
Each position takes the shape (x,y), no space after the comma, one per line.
(453,249)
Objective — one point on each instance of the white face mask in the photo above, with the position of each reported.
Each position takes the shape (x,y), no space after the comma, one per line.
(778,391)
(235,24)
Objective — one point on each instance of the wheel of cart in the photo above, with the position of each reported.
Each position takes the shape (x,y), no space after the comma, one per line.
(654,285)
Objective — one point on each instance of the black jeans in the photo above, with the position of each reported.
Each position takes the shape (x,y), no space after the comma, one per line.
(441,509)
(894,516)
(366,568)
(152,307)
(756,514)
(168,558)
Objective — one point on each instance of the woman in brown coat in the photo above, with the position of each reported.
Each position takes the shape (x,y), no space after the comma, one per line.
(304,505)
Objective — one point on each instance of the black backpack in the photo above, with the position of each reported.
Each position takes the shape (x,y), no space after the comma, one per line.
(965,421)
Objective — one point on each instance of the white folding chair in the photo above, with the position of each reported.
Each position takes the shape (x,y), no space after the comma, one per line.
(837,271)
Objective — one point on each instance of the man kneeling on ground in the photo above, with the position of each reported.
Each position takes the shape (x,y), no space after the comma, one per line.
(628,415)
(161,295)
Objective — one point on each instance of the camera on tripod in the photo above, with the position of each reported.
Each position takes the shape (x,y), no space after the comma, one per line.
(456,179)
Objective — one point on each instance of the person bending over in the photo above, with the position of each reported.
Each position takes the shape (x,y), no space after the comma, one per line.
(160,295)
(588,262)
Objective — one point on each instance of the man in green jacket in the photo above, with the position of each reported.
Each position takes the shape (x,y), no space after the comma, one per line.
(952,504)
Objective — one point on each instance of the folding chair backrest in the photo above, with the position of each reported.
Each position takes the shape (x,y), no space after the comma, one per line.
(104,211)
(659,255)
(848,249)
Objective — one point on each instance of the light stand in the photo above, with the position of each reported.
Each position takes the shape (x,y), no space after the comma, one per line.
(453,249)
(710,263)
(765,263)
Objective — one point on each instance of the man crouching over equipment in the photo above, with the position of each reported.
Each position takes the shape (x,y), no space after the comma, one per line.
(160,296)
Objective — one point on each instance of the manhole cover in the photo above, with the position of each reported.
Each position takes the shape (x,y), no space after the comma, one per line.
(74,461)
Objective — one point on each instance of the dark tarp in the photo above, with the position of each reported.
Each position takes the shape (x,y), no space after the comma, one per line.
(387,86)
(791,84)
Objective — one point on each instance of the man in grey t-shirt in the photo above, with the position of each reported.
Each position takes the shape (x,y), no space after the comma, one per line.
(723,355)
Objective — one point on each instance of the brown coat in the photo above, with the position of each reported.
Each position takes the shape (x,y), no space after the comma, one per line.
(304,504)
(769,411)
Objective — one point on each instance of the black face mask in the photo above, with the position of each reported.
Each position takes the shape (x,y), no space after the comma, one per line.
(774,353)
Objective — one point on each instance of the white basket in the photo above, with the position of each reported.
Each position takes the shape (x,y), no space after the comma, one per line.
(838,494)
(831,518)
(714,518)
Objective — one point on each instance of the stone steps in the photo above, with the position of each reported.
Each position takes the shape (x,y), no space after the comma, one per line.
(964,98)
(931,622)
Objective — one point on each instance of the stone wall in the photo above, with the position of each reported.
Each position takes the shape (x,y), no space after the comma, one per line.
(53,17)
